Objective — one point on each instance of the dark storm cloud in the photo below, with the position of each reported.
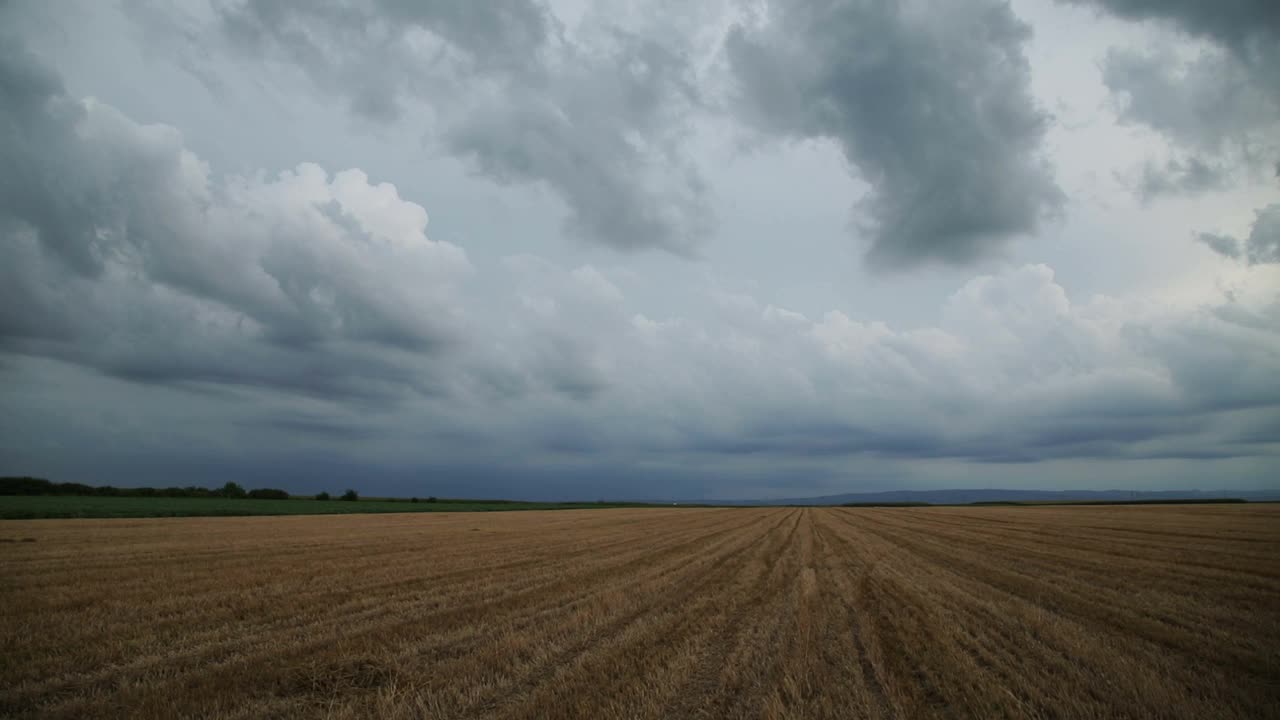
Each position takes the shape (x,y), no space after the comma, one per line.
(361,50)
(598,122)
(1226,101)
(792,435)
(1105,428)
(1180,177)
(37,119)
(1244,26)
(598,135)
(1224,245)
(932,104)
(316,426)
(1211,102)
(1262,245)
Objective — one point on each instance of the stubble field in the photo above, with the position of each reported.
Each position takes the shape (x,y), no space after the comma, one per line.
(1072,612)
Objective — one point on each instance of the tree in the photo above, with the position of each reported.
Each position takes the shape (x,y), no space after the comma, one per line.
(323,496)
(350,496)
(232,490)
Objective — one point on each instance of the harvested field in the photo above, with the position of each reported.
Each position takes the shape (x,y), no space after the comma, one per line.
(1055,612)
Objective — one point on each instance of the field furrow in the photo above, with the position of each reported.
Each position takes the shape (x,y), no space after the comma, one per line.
(1040,612)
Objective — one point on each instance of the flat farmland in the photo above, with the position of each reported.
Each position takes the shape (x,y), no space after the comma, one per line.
(1053,612)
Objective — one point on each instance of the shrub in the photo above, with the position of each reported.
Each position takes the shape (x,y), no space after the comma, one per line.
(268,494)
(350,496)
(25,486)
(431,499)
(323,496)
(413,499)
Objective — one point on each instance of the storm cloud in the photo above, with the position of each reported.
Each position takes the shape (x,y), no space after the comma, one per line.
(598,120)
(1243,26)
(931,103)
(1181,177)
(1261,246)
(174,300)
(1223,101)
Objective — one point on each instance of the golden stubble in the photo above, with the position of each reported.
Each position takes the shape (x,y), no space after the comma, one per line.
(1054,612)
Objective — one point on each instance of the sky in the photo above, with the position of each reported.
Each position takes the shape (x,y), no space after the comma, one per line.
(550,249)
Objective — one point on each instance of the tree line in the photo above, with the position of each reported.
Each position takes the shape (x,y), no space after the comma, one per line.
(40,486)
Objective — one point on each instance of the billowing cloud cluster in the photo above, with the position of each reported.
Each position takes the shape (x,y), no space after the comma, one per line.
(597,120)
(931,102)
(1220,108)
(122,252)
(1104,379)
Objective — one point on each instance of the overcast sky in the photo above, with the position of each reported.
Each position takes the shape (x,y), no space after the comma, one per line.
(660,249)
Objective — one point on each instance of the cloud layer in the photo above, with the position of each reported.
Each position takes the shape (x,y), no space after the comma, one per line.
(326,287)
(158,316)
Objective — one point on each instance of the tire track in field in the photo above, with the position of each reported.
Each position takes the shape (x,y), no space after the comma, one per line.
(1099,556)
(847,573)
(440,656)
(695,696)
(1166,587)
(750,670)
(896,630)
(366,598)
(972,592)
(533,621)
(322,593)
(937,637)
(673,576)
(611,639)
(1090,604)
(303,634)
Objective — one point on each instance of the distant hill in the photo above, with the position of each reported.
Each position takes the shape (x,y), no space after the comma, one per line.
(962,497)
